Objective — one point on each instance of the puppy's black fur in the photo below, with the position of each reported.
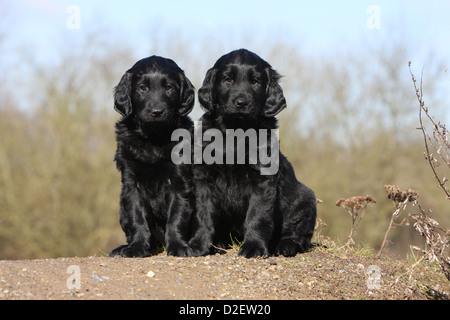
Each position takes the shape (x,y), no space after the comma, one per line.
(156,202)
(269,214)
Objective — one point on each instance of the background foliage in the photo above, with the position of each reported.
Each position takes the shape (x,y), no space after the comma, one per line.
(349,129)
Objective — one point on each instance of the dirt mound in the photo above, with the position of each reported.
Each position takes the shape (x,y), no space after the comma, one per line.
(320,274)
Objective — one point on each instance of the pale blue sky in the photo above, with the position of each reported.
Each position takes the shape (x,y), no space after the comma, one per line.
(319,28)
(314,27)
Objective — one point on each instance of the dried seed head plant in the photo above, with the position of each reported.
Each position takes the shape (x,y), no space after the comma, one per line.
(437,239)
(397,195)
(356,207)
(319,238)
(437,242)
(400,199)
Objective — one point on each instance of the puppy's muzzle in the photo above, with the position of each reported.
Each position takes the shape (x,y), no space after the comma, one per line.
(157,112)
(241,102)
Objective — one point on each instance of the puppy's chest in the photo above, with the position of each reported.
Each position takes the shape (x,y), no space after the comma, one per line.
(154,186)
(233,181)
(151,167)
(157,174)
(157,186)
(147,154)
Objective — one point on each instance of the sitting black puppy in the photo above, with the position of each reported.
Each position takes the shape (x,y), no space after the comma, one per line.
(156,202)
(269,213)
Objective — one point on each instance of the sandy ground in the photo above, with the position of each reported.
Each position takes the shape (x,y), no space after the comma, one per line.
(315,275)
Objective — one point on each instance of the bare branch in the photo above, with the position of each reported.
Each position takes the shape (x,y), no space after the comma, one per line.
(440,144)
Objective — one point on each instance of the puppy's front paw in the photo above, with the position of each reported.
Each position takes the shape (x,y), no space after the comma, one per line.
(130,251)
(287,248)
(253,249)
(200,246)
(180,251)
(117,251)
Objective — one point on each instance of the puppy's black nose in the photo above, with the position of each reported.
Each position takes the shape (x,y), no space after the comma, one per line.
(241,102)
(157,113)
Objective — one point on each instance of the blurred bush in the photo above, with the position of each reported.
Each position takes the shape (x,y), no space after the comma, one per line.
(349,129)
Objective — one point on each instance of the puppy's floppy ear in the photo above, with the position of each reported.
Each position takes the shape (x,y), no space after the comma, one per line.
(187,96)
(122,100)
(275,101)
(206,95)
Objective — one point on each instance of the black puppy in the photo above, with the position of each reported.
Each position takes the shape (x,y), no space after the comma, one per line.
(156,203)
(270,213)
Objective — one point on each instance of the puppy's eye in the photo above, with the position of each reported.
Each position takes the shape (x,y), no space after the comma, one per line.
(255,81)
(228,80)
(143,88)
(168,87)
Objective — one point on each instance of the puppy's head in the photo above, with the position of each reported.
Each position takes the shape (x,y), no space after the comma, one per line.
(154,90)
(241,83)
